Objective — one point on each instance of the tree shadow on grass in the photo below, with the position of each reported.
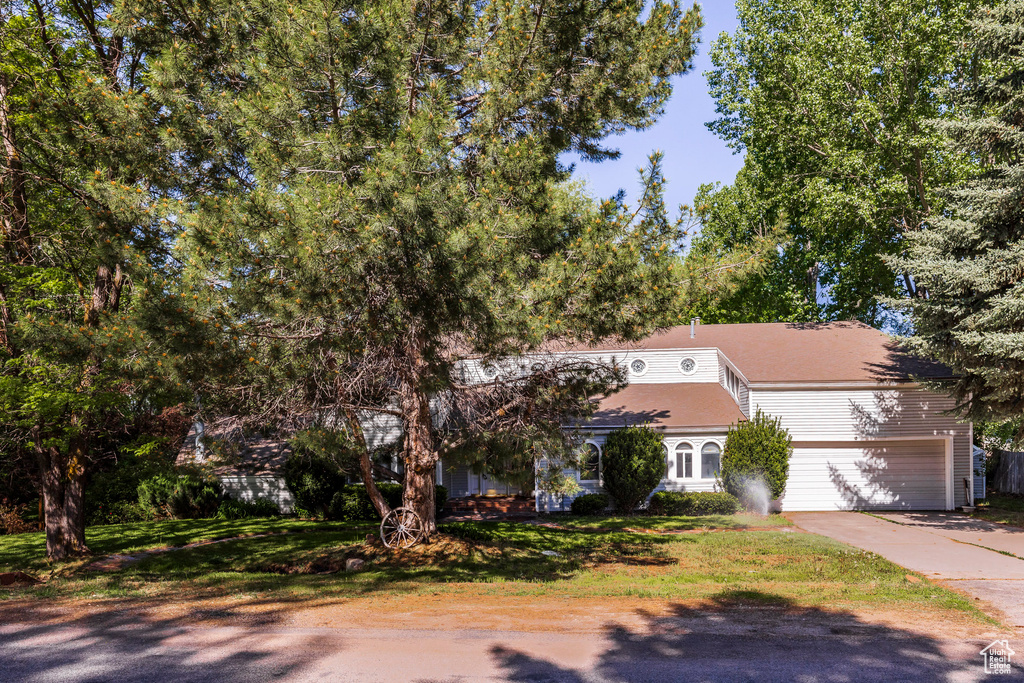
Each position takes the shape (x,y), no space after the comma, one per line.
(753,636)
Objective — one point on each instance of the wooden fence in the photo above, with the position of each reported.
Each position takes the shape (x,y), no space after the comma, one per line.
(1009,475)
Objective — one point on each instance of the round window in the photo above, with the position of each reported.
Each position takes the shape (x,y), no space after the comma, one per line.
(688,366)
(638,366)
(537,367)
(490,371)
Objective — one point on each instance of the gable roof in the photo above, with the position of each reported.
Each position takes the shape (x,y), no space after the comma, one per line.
(798,352)
(688,404)
(239,452)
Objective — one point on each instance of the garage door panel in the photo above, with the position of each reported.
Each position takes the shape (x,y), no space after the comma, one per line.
(895,476)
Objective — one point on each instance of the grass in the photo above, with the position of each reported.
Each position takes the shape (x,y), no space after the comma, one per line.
(482,559)
(654,523)
(28,551)
(1003,508)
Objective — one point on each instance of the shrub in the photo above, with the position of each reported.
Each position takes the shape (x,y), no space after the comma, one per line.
(756,450)
(121,512)
(632,465)
(246,509)
(182,496)
(589,504)
(314,480)
(111,496)
(352,502)
(693,503)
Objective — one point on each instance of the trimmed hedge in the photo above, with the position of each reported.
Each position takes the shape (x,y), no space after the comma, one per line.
(632,465)
(244,509)
(693,503)
(589,504)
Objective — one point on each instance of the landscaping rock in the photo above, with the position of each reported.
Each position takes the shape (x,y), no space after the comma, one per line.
(354,564)
(12,578)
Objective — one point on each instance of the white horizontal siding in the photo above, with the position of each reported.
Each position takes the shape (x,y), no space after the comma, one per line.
(253,487)
(662,366)
(380,429)
(883,476)
(859,414)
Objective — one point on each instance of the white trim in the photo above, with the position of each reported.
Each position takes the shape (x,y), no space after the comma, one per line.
(970,436)
(828,385)
(950,490)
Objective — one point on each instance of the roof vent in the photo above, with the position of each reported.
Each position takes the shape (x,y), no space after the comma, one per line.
(693,327)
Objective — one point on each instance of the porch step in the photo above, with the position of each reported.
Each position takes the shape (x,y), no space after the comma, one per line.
(502,504)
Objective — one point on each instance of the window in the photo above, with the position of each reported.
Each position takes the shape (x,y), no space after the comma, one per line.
(732,382)
(684,461)
(537,368)
(638,366)
(710,461)
(592,468)
(490,371)
(688,366)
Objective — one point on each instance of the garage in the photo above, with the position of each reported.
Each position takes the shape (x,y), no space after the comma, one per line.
(885,475)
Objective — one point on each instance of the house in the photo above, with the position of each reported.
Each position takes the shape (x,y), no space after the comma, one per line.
(248,466)
(866,435)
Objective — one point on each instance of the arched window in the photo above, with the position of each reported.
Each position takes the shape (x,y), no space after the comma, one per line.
(591,470)
(710,461)
(684,461)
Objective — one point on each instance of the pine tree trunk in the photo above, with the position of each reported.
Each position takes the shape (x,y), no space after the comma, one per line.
(420,456)
(63,508)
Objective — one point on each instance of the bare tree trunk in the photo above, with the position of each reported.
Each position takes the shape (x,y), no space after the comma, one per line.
(365,466)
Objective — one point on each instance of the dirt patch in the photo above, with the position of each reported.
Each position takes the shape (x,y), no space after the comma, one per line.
(18,579)
(508,613)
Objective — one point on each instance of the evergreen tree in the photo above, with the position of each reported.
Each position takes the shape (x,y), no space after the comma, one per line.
(88,322)
(392,201)
(970,260)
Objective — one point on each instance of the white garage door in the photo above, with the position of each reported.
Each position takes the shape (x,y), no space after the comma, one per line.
(884,476)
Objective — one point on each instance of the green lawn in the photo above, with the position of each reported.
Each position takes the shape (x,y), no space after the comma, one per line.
(27,551)
(1003,508)
(486,558)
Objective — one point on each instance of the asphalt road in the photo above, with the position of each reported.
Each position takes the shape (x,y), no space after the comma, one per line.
(124,650)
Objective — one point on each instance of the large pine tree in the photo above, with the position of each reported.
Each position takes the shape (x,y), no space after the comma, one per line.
(971,260)
(392,200)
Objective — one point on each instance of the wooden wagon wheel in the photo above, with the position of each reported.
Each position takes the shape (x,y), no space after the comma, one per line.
(401,528)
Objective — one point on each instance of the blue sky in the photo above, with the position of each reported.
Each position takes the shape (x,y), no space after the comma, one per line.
(693,155)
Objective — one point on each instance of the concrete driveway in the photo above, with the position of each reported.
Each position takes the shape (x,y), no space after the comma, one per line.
(979,558)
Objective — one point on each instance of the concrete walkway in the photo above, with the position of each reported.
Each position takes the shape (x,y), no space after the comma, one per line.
(966,553)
